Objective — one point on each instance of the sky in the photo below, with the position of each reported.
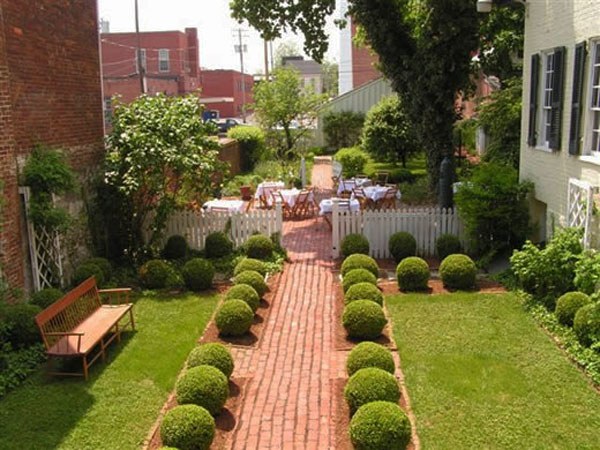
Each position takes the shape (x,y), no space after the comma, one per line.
(215,29)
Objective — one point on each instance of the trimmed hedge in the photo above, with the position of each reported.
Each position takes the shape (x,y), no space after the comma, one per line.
(250,264)
(370,354)
(352,159)
(363,291)
(568,305)
(217,245)
(380,425)
(198,274)
(17,324)
(447,244)
(587,324)
(412,274)
(204,386)
(353,244)
(234,318)
(360,261)
(259,246)
(363,319)
(188,427)
(153,274)
(458,272)
(246,293)
(84,271)
(45,297)
(402,245)
(370,385)
(213,354)
(175,248)
(104,264)
(356,276)
(254,279)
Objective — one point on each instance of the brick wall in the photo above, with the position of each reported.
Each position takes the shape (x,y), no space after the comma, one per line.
(363,64)
(230,153)
(228,84)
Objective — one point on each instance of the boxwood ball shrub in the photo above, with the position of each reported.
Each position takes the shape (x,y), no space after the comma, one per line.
(586,324)
(153,274)
(234,318)
(86,270)
(188,427)
(204,386)
(254,279)
(246,293)
(363,319)
(412,274)
(354,243)
(217,245)
(356,276)
(45,297)
(259,246)
(370,354)
(447,244)
(250,264)
(104,265)
(380,425)
(213,354)
(370,385)
(360,261)
(17,324)
(363,291)
(175,248)
(458,272)
(402,245)
(198,274)
(568,305)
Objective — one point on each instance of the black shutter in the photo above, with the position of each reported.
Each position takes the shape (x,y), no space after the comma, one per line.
(557,99)
(533,99)
(576,106)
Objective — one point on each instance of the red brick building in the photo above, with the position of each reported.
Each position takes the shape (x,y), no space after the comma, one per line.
(222,91)
(363,63)
(50,94)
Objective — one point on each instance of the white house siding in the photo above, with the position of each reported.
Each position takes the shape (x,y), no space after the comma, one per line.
(551,24)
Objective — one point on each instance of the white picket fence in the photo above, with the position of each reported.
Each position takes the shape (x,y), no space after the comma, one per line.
(425,224)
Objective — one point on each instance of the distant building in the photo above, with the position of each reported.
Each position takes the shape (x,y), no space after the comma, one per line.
(226,91)
(311,72)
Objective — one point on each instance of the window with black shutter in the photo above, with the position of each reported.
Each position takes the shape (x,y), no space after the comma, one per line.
(554,132)
(576,99)
(533,99)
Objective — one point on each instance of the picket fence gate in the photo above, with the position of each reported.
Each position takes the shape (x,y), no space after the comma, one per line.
(425,224)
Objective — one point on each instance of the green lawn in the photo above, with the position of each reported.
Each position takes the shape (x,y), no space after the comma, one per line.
(482,375)
(416,164)
(118,405)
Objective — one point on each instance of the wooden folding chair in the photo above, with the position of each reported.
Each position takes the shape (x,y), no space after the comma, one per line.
(363,199)
(285,206)
(381,178)
(300,208)
(389,199)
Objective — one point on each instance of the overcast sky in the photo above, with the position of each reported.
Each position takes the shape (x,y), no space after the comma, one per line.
(215,28)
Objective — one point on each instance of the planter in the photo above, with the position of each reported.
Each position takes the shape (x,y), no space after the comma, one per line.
(246,192)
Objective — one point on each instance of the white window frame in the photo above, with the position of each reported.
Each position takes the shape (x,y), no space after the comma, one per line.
(592,130)
(545,99)
(163,57)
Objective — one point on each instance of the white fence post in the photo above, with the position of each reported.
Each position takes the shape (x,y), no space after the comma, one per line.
(335,228)
(278,216)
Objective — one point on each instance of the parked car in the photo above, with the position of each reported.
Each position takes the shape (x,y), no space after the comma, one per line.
(224,125)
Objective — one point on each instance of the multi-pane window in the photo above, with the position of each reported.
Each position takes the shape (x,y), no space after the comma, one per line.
(163,60)
(144,61)
(547,93)
(595,99)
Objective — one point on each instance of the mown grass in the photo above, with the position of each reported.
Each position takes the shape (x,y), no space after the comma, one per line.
(482,375)
(118,405)
(417,164)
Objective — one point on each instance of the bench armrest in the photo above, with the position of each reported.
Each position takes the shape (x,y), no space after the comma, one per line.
(116,296)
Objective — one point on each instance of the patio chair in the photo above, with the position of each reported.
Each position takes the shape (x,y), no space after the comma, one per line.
(389,199)
(336,182)
(381,178)
(363,199)
(301,207)
(285,206)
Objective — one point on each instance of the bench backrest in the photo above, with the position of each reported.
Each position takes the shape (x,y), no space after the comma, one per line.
(68,312)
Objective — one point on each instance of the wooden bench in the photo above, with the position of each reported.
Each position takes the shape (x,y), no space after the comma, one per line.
(77,323)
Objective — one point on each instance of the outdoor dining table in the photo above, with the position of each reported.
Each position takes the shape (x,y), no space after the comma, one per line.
(229,205)
(290,196)
(351,183)
(326,205)
(377,193)
(266,187)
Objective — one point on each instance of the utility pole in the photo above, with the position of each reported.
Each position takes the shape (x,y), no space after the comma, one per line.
(140,66)
(241,48)
(266,60)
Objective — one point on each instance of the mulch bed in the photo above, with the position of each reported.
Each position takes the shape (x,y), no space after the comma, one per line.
(436,287)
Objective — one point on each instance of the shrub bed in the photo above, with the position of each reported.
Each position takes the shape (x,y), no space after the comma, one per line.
(188,427)
(458,272)
(447,244)
(354,243)
(153,274)
(254,279)
(356,276)
(380,425)
(586,324)
(213,354)
(259,247)
(246,293)
(234,318)
(198,274)
(46,297)
(217,245)
(363,319)
(568,305)
(360,261)
(412,274)
(17,324)
(402,245)
(250,264)
(175,248)
(204,386)
(86,270)
(363,291)
(370,354)
(370,385)
(104,265)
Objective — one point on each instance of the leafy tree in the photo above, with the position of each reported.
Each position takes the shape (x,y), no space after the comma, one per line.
(342,129)
(285,49)
(160,155)
(330,79)
(388,133)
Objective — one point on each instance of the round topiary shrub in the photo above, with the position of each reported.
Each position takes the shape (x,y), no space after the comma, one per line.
(402,245)
(45,297)
(104,265)
(363,319)
(412,274)
(204,386)
(360,261)
(458,272)
(175,248)
(234,318)
(370,385)
(356,276)
(174,279)
(568,305)
(353,244)
(586,324)
(259,246)
(380,425)
(447,244)
(198,274)
(153,274)
(84,271)
(250,264)
(19,325)
(246,293)
(254,279)
(370,354)
(213,354)
(363,291)
(217,245)
(188,427)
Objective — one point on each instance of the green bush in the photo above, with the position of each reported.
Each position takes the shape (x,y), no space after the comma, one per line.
(84,271)
(217,245)
(252,145)
(198,274)
(381,426)
(104,265)
(370,354)
(353,161)
(175,248)
(250,264)
(342,129)
(402,245)
(586,324)
(213,354)
(174,279)
(363,319)
(254,279)
(46,297)
(398,176)
(259,247)
(188,427)
(204,386)
(363,291)
(20,328)
(354,243)
(153,274)
(246,293)
(412,274)
(370,385)
(447,244)
(568,305)
(360,261)
(458,272)
(356,276)
(587,272)
(234,318)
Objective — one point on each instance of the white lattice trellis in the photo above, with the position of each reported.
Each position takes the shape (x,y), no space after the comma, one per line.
(580,205)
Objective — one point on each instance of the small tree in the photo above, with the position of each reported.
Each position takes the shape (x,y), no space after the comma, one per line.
(388,134)
(342,129)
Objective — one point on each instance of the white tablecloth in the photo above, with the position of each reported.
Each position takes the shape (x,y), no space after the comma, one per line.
(351,183)
(326,205)
(266,187)
(376,193)
(231,205)
(290,195)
